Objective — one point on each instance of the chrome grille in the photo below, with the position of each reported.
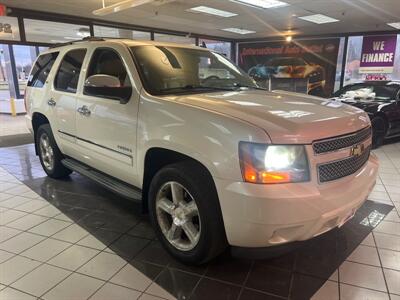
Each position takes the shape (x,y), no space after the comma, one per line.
(340,142)
(342,168)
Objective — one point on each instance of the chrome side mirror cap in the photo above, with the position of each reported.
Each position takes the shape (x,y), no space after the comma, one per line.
(102,80)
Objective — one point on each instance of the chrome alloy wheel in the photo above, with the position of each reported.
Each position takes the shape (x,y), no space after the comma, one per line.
(178,216)
(46,152)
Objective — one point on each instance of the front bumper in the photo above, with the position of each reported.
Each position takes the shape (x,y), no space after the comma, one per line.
(257,215)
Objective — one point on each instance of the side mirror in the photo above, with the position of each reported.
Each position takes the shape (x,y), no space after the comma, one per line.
(107,86)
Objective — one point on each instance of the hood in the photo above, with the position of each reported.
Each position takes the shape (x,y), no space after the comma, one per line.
(288,118)
(369,106)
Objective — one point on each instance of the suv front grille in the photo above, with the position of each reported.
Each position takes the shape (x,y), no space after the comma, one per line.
(342,168)
(336,143)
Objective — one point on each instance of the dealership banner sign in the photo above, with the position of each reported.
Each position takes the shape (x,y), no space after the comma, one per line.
(313,61)
(378,54)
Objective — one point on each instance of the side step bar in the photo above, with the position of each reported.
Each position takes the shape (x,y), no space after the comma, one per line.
(128,191)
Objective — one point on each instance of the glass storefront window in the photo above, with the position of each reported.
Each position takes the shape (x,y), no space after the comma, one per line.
(4,86)
(354,50)
(9,29)
(396,68)
(174,39)
(339,65)
(353,60)
(24,58)
(41,49)
(218,46)
(111,32)
(54,32)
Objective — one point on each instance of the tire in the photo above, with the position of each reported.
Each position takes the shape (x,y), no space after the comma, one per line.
(49,154)
(194,183)
(378,132)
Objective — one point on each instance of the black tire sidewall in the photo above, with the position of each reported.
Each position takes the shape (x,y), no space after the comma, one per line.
(377,141)
(209,212)
(58,170)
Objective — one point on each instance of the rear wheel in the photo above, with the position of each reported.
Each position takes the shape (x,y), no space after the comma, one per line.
(49,154)
(185,212)
(378,132)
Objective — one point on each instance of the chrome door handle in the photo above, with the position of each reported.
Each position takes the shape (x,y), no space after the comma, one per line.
(84,110)
(51,102)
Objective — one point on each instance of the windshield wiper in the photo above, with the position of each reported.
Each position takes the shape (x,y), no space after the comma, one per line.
(239,85)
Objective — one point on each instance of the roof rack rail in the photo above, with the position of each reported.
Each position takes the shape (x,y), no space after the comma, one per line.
(85,39)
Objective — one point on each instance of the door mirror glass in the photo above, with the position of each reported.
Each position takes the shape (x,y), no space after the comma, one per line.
(107,86)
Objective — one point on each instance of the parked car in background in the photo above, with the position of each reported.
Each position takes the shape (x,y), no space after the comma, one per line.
(381,100)
(290,67)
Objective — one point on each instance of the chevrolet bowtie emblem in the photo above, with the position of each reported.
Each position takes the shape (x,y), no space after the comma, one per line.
(357,150)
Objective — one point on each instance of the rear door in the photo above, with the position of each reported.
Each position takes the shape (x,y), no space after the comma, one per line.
(63,99)
(37,90)
(106,127)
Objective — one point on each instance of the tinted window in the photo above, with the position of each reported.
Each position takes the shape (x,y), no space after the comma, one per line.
(107,62)
(68,73)
(41,69)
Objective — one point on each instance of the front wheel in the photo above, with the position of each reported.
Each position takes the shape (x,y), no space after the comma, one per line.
(378,132)
(185,213)
(49,154)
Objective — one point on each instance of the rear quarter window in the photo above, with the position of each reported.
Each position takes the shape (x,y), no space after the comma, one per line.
(41,69)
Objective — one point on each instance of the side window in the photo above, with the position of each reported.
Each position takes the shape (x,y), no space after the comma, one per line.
(106,61)
(68,73)
(41,69)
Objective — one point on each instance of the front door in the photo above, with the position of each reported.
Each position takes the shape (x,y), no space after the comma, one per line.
(106,127)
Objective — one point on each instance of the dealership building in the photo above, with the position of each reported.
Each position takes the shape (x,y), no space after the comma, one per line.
(187,149)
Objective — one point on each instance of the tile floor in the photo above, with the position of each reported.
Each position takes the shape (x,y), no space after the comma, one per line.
(372,270)
(55,235)
(10,125)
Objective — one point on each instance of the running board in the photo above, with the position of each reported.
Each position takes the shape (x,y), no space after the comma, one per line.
(115,185)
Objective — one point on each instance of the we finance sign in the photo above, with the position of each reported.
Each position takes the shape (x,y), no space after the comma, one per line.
(378,54)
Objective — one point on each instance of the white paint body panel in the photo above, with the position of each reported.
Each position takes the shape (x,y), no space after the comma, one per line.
(208,127)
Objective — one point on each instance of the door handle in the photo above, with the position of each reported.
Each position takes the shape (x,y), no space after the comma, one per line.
(51,102)
(84,110)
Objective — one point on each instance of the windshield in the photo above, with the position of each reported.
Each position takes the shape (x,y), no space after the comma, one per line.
(368,92)
(170,70)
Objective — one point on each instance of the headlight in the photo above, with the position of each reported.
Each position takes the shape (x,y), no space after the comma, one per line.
(262,163)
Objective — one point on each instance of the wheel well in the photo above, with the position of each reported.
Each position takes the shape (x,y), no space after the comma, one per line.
(385,120)
(38,119)
(156,159)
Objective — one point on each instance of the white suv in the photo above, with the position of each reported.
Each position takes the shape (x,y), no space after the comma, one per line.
(215,159)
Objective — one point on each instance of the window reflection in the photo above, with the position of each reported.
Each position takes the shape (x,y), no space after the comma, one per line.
(218,46)
(111,32)
(54,32)
(169,38)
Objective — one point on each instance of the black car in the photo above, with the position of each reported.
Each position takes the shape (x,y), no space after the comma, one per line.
(381,100)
